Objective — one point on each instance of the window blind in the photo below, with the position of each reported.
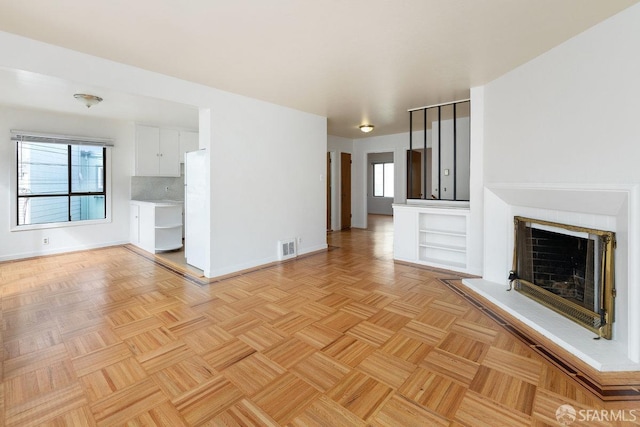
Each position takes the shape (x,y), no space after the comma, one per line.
(18,135)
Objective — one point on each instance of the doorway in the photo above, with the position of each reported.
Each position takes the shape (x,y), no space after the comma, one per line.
(328,189)
(414,174)
(345,190)
(380,183)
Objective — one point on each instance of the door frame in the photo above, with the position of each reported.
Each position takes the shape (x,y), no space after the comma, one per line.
(412,173)
(369,179)
(329,190)
(343,157)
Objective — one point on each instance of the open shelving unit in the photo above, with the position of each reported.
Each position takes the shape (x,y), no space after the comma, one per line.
(438,236)
(168,227)
(443,239)
(156,226)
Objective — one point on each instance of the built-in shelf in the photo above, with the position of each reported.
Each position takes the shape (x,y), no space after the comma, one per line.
(156,225)
(444,247)
(167,248)
(169,226)
(445,233)
(431,236)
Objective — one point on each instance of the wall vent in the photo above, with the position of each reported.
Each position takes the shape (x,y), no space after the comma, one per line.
(287,249)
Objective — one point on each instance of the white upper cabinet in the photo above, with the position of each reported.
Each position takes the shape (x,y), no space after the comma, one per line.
(157,151)
(147,149)
(188,142)
(169,164)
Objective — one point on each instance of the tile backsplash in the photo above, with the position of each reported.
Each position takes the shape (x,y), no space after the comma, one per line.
(157,188)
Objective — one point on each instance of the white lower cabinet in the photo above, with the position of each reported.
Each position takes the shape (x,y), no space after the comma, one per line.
(134,223)
(436,237)
(156,226)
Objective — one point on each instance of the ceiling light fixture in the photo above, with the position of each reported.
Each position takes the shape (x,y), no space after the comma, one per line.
(366,128)
(88,100)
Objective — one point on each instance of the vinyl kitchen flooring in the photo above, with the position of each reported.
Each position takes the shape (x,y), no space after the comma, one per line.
(345,337)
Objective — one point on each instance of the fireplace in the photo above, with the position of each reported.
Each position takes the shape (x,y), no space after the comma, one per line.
(602,207)
(568,269)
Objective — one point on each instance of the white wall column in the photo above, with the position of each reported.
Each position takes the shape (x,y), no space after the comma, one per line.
(475,254)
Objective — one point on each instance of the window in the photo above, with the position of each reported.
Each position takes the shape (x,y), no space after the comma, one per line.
(383,179)
(60,181)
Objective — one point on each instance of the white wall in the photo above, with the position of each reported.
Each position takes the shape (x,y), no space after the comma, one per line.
(475,234)
(569,119)
(339,144)
(398,144)
(267,179)
(268,182)
(27,243)
(461,171)
(570,115)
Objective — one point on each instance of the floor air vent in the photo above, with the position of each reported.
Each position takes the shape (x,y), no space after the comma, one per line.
(287,249)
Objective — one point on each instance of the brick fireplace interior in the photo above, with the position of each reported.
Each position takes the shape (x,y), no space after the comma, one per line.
(561,264)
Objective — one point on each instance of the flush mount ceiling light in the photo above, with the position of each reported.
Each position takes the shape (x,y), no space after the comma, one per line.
(366,128)
(88,100)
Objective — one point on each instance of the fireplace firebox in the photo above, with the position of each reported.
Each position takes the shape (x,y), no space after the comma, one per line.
(568,269)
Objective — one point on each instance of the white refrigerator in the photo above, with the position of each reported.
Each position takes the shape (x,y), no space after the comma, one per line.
(195,214)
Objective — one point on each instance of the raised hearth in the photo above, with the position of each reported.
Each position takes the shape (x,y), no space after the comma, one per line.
(600,207)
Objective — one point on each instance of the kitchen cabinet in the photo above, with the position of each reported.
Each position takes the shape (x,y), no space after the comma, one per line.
(157,151)
(134,223)
(156,226)
(188,142)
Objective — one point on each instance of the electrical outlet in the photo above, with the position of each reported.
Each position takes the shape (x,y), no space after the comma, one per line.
(45,241)
(299,241)
(166,189)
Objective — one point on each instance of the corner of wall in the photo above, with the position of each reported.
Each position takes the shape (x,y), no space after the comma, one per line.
(476,232)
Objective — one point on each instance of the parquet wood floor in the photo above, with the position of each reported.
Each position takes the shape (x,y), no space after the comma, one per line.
(341,338)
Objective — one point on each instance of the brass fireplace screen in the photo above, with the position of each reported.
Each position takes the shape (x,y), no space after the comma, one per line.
(568,269)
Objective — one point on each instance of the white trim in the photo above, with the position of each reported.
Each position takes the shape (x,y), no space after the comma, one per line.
(13,217)
(256,264)
(59,224)
(62,250)
(440,204)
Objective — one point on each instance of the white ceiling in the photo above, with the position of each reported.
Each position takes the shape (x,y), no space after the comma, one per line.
(31,90)
(353,61)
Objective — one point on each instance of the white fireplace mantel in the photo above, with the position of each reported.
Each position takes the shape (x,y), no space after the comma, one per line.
(606,207)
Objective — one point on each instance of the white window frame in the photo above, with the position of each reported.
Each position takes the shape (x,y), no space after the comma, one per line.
(373,180)
(13,192)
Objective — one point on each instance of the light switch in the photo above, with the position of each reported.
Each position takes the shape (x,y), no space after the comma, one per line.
(446,172)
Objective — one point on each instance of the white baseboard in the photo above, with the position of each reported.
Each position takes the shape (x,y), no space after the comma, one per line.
(57,251)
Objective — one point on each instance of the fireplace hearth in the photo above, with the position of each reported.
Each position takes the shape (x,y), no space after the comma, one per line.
(568,269)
